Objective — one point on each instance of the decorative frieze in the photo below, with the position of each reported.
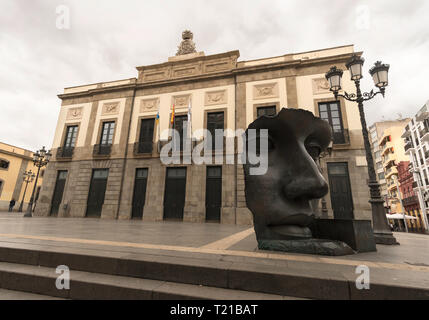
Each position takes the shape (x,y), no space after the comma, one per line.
(149,105)
(320,86)
(110,108)
(215,97)
(266,90)
(181,101)
(74,113)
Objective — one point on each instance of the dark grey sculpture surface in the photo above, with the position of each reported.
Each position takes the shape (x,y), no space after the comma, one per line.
(284,200)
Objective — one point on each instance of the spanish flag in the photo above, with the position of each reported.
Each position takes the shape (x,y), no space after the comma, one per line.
(172,115)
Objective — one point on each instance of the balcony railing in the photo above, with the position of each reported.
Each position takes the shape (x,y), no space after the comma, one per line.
(342,137)
(423,131)
(410,200)
(102,149)
(143,148)
(408,146)
(65,152)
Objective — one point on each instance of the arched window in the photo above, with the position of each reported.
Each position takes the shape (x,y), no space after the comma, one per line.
(4,164)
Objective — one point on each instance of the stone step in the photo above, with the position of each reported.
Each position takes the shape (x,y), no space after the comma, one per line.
(25,279)
(19,295)
(270,276)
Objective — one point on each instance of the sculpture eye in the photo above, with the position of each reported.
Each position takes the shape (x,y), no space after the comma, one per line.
(314,151)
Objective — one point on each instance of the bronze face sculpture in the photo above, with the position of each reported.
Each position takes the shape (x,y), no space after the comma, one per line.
(284,199)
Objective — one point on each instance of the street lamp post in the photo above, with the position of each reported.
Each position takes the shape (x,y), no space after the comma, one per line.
(28,176)
(379,73)
(40,159)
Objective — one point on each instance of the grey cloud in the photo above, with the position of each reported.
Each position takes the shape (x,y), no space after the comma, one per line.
(108,39)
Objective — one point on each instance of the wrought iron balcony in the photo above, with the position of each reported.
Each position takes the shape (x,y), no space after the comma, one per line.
(342,137)
(65,153)
(410,201)
(143,148)
(102,149)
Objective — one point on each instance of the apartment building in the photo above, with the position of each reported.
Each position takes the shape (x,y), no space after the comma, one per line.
(380,133)
(416,147)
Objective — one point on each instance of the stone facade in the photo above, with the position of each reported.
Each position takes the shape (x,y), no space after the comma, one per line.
(210,83)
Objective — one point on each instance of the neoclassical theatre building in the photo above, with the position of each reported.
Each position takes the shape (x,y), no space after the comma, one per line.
(106,149)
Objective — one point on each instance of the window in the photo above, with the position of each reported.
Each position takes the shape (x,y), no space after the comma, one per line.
(71,135)
(180,124)
(4,164)
(1,186)
(107,133)
(381,176)
(215,121)
(331,113)
(145,142)
(266,111)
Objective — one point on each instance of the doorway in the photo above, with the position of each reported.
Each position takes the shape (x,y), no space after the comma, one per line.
(139,195)
(340,190)
(213,193)
(97,191)
(175,190)
(58,192)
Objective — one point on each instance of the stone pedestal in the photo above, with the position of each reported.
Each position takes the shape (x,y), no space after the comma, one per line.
(358,234)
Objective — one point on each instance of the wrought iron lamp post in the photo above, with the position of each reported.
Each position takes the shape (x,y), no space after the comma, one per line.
(28,176)
(40,159)
(379,73)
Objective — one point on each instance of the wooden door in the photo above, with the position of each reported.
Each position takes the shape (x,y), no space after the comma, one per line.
(139,195)
(213,193)
(97,191)
(175,190)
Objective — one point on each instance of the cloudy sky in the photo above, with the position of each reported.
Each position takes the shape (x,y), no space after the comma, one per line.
(107,39)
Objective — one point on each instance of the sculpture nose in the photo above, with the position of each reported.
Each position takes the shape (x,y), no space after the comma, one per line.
(307,183)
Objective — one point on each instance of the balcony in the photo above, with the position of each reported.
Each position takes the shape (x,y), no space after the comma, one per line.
(65,153)
(423,113)
(388,161)
(424,134)
(387,148)
(407,132)
(141,148)
(342,137)
(102,149)
(391,171)
(409,147)
(410,201)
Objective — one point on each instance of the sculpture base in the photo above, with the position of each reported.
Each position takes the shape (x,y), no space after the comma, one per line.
(358,234)
(386,239)
(309,246)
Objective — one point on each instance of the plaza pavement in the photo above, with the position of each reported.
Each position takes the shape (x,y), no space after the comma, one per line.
(404,266)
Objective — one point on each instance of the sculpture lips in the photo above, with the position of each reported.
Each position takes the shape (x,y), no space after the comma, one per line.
(301,219)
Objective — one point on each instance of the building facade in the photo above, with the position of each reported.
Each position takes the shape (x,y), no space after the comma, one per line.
(14,161)
(410,199)
(416,147)
(378,134)
(107,143)
(392,152)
